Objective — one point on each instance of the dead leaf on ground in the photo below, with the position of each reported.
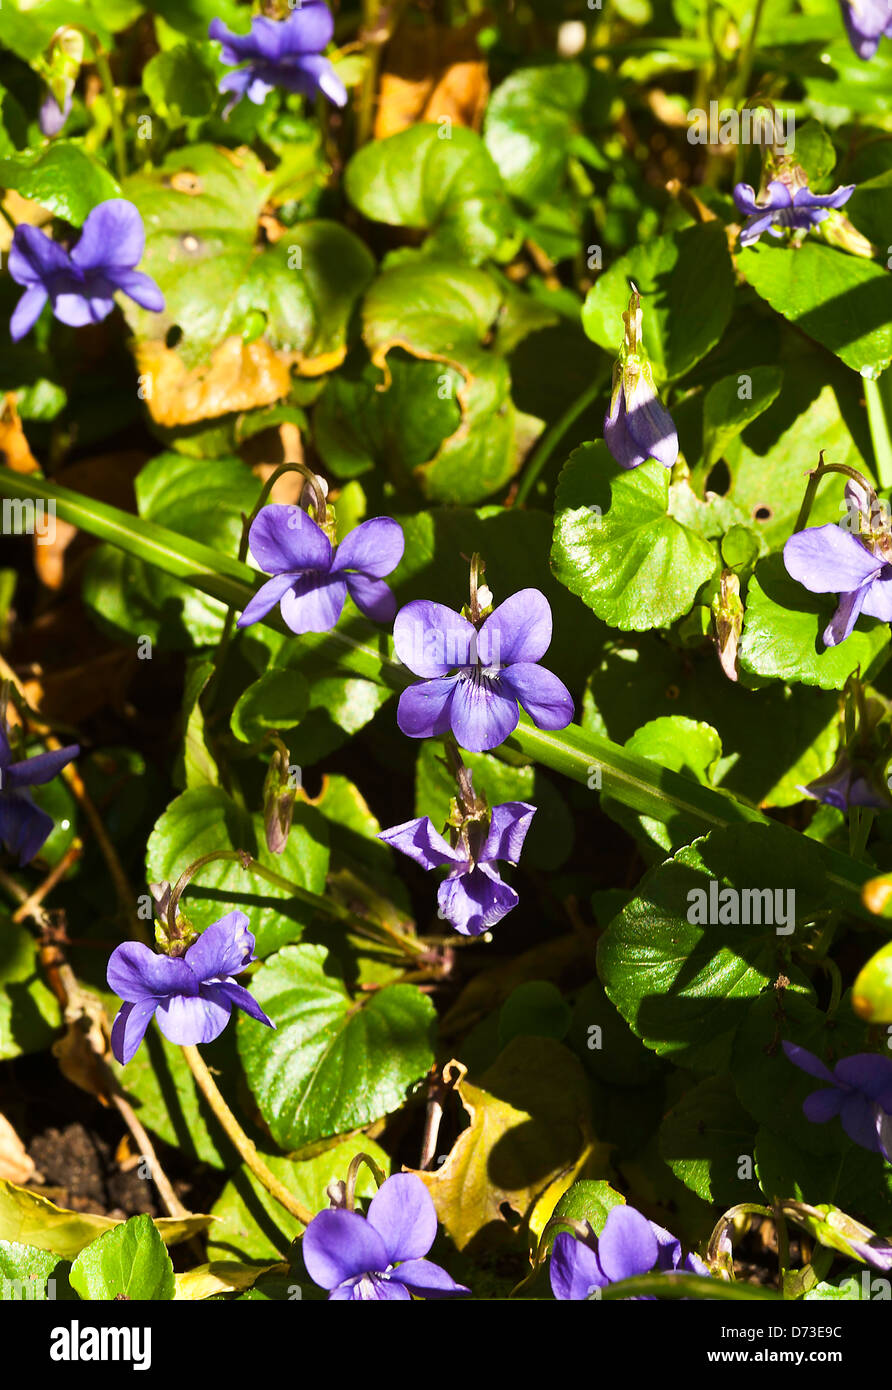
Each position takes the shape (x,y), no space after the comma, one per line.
(103,477)
(238,376)
(16,1165)
(430,72)
(529,1139)
(14,446)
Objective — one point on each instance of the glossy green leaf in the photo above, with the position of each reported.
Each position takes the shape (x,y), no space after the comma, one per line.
(708,1139)
(334,1063)
(727,412)
(206,819)
(842,301)
(686,986)
(437,178)
(63,178)
(782,633)
(131,1262)
(618,546)
(686,283)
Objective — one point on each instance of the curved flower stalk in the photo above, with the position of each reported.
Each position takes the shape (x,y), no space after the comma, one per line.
(192,994)
(24,827)
(628,1245)
(477,669)
(81,284)
(379,1256)
(857,565)
(637,426)
(860,1094)
(311,578)
(283,53)
(866,22)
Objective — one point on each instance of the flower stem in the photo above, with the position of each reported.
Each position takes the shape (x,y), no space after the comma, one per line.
(552,437)
(878,396)
(108,83)
(239,1138)
(749,53)
(247,522)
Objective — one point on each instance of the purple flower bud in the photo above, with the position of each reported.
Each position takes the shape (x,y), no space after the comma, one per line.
(475,680)
(866,22)
(311,578)
(380,1255)
(81,284)
(24,827)
(280,53)
(191,995)
(786,208)
(472,896)
(52,116)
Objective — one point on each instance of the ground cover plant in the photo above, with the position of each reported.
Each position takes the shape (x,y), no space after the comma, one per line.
(445,601)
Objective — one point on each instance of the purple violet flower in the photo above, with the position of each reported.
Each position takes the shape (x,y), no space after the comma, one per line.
(472,896)
(628,1245)
(860,1094)
(638,426)
(785,209)
(493,670)
(832,560)
(846,785)
(866,22)
(81,284)
(24,827)
(380,1255)
(52,117)
(193,995)
(311,578)
(283,53)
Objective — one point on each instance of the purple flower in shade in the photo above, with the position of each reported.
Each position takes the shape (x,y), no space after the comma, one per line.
(311,578)
(847,785)
(493,670)
(831,560)
(380,1255)
(24,827)
(193,995)
(628,1245)
(472,896)
(81,284)
(860,1094)
(281,53)
(785,209)
(52,116)
(866,22)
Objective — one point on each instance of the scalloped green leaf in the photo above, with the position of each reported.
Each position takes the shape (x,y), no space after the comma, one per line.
(205,819)
(618,546)
(334,1063)
(63,178)
(130,1262)
(842,301)
(684,987)
(440,179)
(782,630)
